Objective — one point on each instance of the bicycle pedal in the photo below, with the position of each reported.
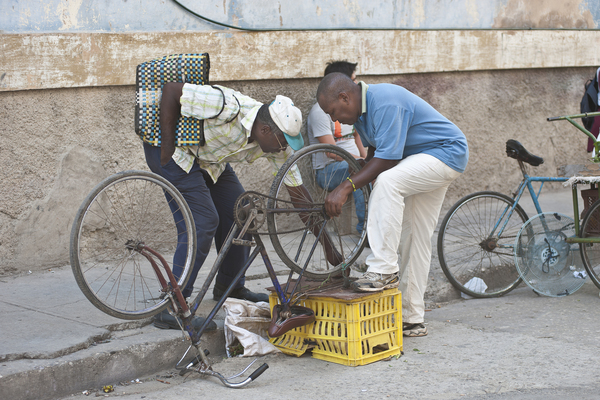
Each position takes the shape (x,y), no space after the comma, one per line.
(242,242)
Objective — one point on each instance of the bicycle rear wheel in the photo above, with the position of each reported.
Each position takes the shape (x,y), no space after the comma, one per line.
(293,234)
(590,252)
(129,208)
(475,258)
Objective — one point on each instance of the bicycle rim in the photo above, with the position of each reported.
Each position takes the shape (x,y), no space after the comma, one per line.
(590,252)
(291,238)
(130,207)
(476,261)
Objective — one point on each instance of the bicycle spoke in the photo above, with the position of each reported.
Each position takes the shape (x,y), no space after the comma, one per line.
(293,233)
(126,210)
(471,249)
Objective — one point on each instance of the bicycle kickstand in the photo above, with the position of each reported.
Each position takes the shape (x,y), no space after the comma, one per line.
(201,365)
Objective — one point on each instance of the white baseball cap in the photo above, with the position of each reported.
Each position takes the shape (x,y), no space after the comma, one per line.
(289,119)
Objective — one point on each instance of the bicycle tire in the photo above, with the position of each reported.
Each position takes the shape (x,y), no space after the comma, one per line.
(132,205)
(590,252)
(291,239)
(466,251)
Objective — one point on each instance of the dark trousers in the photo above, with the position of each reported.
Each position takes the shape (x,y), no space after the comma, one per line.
(212,207)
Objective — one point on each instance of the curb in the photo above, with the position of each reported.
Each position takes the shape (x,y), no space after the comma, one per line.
(127,356)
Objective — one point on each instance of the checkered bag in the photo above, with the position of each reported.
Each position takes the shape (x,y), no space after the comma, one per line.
(150,78)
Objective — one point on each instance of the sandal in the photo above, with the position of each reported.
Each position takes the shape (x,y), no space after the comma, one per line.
(414,330)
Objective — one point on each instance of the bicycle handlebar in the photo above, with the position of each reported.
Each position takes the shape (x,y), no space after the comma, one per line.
(591,114)
(596,157)
(258,371)
(236,385)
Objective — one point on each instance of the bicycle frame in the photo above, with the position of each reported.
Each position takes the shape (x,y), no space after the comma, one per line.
(188,312)
(284,298)
(527,183)
(595,159)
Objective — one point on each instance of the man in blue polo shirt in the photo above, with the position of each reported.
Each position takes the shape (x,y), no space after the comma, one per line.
(414,154)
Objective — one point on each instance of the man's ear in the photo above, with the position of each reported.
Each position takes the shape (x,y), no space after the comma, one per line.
(265,129)
(344,98)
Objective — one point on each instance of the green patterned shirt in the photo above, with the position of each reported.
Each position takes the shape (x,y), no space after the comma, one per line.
(228,118)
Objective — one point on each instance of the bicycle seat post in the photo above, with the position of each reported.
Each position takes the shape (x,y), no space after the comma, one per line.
(523,170)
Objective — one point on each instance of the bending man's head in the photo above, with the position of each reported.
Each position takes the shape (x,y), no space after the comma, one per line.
(277,125)
(340,97)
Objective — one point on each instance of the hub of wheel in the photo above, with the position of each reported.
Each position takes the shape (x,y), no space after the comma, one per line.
(489,244)
(134,245)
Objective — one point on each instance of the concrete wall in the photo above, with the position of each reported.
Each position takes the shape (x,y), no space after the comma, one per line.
(62,60)
(57,144)
(67,75)
(20,16)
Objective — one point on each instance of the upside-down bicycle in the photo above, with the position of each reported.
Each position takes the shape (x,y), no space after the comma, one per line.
(128,228)
(487,245)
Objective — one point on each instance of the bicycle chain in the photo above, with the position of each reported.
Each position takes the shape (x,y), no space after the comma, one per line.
(277,199)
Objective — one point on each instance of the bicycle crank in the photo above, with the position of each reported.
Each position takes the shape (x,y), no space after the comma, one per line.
(250,212)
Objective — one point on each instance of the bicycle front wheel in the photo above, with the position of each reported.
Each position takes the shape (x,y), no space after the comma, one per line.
(476,244)
(123,211)
(294,233)
(590,252)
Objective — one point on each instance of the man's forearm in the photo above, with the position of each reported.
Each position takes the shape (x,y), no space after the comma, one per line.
(371,170)
(301,198)
(170,111)
(336,199)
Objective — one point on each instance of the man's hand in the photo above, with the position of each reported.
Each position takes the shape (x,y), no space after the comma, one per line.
(336,199)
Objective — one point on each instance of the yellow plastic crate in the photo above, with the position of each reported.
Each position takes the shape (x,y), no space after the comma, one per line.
(346,331)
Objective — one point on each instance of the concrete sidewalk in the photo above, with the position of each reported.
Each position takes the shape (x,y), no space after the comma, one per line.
(517,347)
(55,342)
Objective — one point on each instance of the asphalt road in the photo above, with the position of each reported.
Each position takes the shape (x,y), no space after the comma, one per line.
(520,346)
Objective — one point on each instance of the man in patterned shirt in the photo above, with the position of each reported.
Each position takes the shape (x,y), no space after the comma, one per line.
(236,128)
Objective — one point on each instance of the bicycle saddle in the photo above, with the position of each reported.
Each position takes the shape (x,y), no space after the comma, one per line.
(283,321)
(516,150)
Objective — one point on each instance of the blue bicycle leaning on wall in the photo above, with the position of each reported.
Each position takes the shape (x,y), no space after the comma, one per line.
(487,245)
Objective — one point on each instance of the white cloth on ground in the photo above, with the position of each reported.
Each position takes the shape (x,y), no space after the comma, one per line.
(248,323)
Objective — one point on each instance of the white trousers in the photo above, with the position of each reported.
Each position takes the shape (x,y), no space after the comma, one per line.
(403,211)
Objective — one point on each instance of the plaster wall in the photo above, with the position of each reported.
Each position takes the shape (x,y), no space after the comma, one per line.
(56,144)
(62,60)
(67,74)
(20,16)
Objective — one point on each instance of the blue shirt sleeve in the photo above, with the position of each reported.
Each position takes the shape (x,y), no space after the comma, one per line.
(390,125)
